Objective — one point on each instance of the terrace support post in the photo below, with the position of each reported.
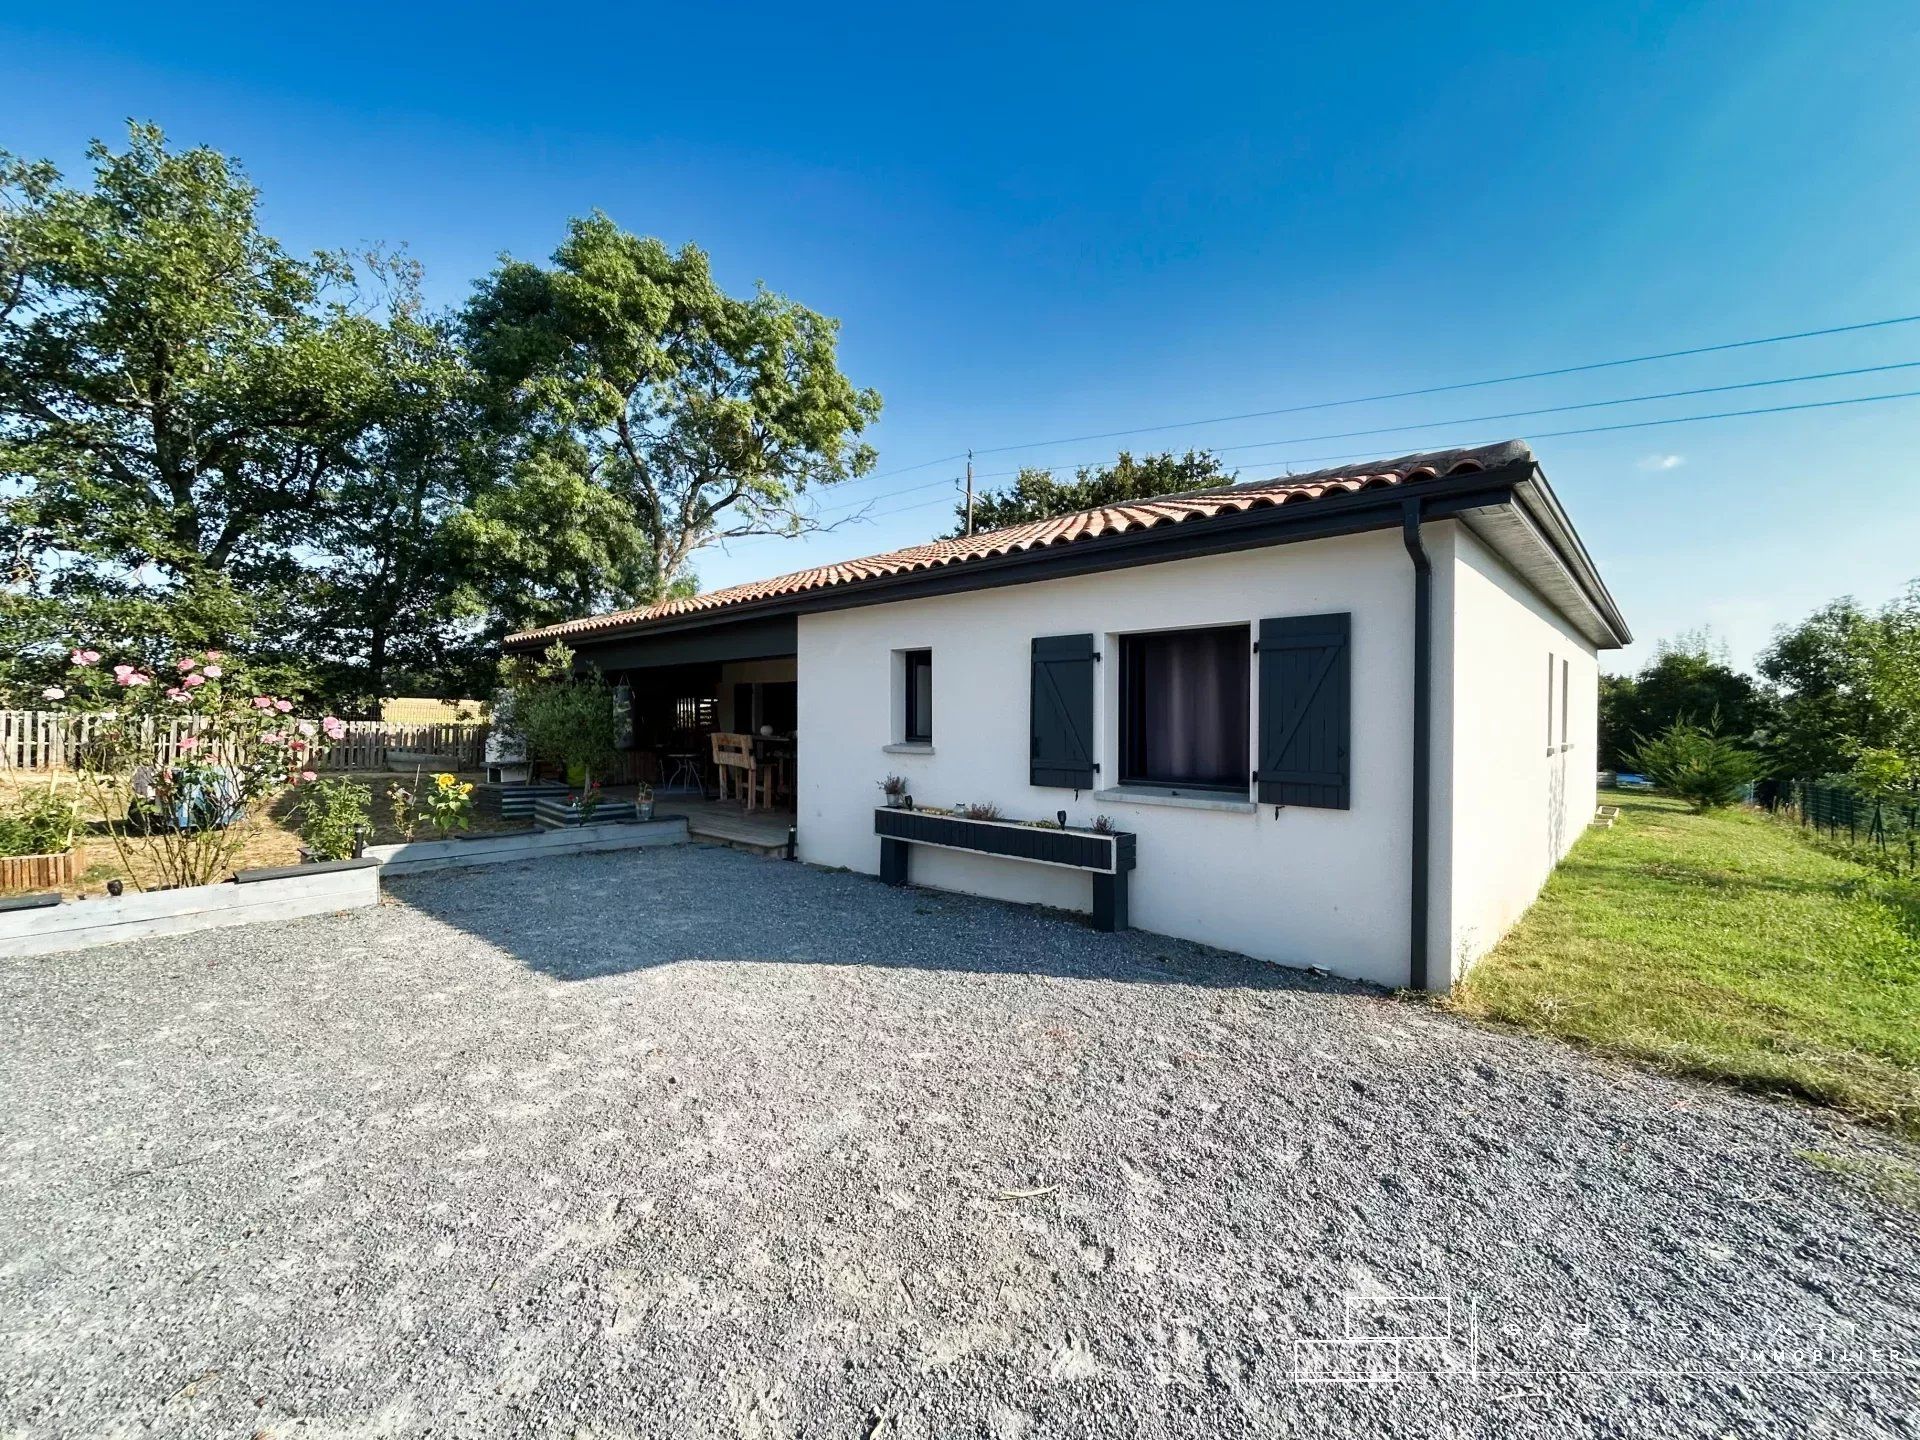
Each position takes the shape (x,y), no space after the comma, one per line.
(1110,901)
(1420,801)
(893,861)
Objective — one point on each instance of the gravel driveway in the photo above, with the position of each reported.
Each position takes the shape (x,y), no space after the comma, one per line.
(689,1142)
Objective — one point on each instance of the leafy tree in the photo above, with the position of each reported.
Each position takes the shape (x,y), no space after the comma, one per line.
(567,717)
(1036,495)
(1699,766)
(386,596)
(180,401)
(1850,693)
(177,393)
(1688,679)
(652,414)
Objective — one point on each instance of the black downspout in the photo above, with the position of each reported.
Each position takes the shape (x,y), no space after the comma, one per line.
(1422,740)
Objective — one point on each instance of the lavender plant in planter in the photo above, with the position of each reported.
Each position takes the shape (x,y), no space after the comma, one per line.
(894,787)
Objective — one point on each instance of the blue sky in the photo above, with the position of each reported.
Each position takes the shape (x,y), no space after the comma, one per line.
(1052,221)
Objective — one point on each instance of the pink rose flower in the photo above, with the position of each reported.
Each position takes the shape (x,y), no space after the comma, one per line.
(121,671)
(305,727)
(283,706)
(137,679)
(186,662)
(190,742)
(212,672)
(193,680)
(85,657)
(334,726)
(216,654)
(53,692)
(262,702)
(180,697)
(308,775)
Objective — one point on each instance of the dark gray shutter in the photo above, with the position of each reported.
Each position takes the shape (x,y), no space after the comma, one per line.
(1062,753)
(1304,721)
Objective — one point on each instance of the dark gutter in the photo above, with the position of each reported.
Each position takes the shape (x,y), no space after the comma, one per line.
(1542,506)
(1422,796)
(1364,510)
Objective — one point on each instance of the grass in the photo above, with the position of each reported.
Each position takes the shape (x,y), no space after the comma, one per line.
(1723,946)
(273,839)
(1883,1176)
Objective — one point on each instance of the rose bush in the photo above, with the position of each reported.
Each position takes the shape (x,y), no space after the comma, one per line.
(239,752)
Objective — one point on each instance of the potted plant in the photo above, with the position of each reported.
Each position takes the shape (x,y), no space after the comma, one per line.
(643,801)
(333,819)
(894,787)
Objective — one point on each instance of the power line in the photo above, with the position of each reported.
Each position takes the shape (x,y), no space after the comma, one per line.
(1462,384)
(1517,414)
(1563,434)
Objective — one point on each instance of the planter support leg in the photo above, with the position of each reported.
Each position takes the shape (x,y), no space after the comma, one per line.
(1110,901)
(893,861)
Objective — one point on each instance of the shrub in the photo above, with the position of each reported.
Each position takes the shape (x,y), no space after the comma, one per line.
(39,822)
(240,748)
(1693,763)
(400,806)
(572,721)
(985,810)
(333,813)
(447,804)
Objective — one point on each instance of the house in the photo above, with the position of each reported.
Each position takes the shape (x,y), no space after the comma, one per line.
(1348,717)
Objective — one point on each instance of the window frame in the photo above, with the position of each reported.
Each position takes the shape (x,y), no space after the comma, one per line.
(915,728)
(1565,682)
(1127,716)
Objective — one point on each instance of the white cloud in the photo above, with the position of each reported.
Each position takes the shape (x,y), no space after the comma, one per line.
(1662,462)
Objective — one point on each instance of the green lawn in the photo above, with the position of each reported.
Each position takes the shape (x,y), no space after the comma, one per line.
(1724,946)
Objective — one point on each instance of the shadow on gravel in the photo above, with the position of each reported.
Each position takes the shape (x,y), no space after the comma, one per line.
(587,917)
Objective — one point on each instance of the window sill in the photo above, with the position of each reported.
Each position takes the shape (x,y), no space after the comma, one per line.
(1180,802)
(908,747)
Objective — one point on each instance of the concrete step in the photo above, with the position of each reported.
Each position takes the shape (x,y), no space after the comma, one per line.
(756,837)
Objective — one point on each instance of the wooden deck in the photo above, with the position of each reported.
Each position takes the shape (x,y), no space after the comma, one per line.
(762,831)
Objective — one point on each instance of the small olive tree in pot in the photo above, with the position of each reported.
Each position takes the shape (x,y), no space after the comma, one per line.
(568,719)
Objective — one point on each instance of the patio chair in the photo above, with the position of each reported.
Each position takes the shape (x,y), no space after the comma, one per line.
(739,772)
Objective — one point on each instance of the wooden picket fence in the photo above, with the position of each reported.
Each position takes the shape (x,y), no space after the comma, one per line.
(51,739)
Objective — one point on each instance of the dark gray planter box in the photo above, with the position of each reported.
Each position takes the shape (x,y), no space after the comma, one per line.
(553,813)
(516,802)
(1108,858)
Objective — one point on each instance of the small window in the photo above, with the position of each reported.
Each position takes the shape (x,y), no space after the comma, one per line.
(1550,702)
(1563,705)
(918,726)
(1183,709)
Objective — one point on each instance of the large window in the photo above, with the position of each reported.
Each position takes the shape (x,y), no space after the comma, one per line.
(1183,709)
(918,721)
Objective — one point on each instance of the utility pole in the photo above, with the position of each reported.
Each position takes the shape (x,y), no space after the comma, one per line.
(969,492)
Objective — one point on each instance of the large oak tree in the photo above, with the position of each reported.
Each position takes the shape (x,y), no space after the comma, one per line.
(649,414)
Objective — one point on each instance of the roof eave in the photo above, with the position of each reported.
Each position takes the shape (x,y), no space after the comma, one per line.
(1376,508)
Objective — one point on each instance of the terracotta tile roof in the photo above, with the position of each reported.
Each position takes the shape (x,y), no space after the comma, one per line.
(1184,509)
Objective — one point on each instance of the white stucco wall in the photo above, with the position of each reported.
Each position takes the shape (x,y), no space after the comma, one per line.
(1513,810)
(1303,887)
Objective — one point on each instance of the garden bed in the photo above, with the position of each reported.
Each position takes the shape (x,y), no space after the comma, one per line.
(275,893)
(40,872)
(269,839)
(512,846)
